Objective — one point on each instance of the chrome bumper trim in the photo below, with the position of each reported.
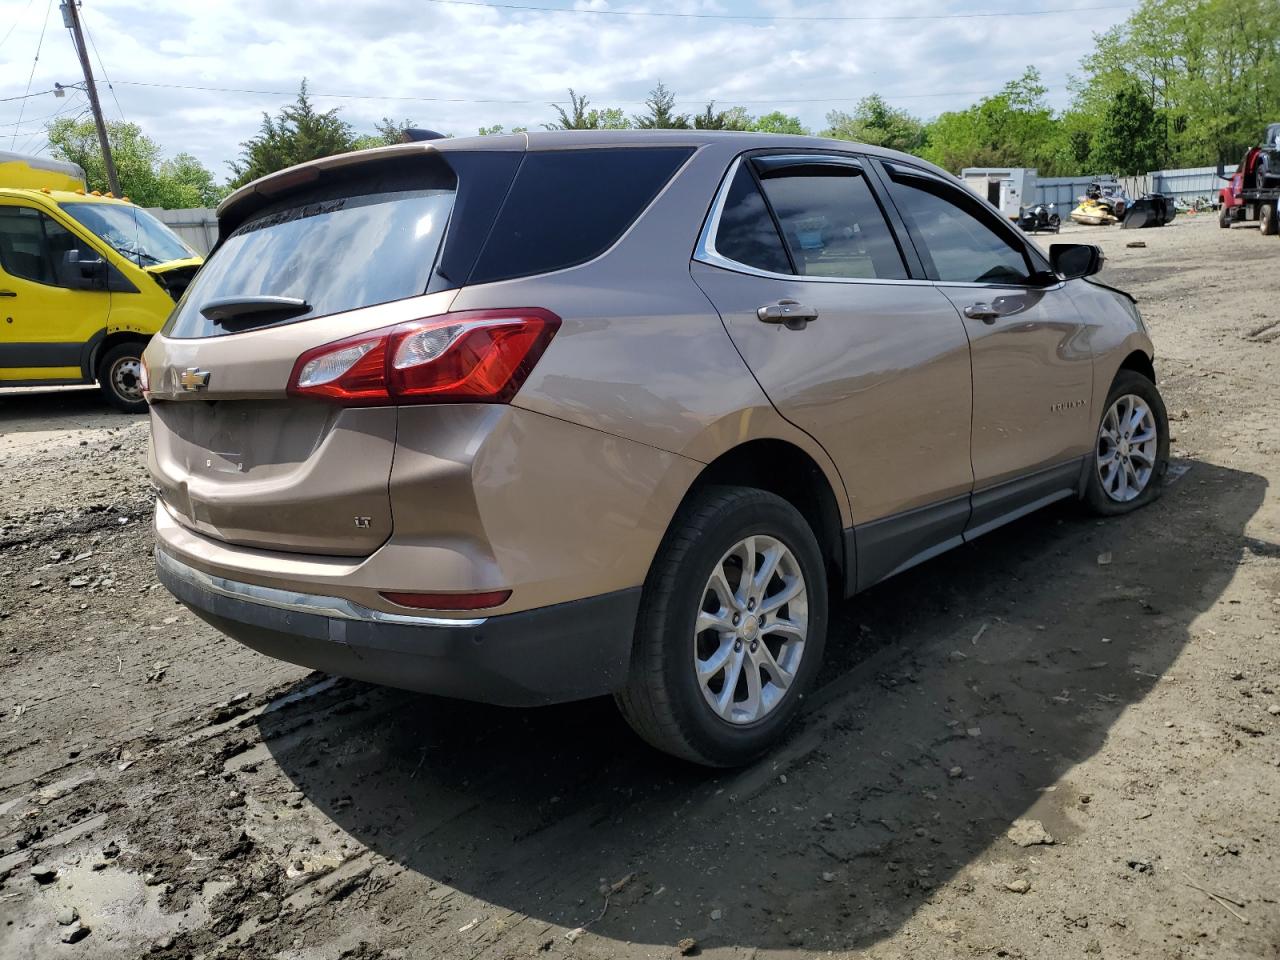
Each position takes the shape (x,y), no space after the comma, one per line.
(315,604)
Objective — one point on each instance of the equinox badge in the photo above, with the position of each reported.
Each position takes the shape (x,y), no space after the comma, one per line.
(193,379)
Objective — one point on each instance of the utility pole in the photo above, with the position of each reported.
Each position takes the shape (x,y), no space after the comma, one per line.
(71,18)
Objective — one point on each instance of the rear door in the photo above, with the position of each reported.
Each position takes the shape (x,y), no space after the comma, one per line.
(45,325)
(1032,360)
(818,298)
(234,456)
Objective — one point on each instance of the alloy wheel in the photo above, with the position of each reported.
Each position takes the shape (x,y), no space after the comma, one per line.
(750,633)
(1127,447)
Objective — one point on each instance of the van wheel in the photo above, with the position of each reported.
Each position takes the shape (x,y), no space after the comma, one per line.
(732,626)
(120,377)
(1131,453)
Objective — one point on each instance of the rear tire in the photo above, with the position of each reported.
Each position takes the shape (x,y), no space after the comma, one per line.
(120,377)
(1126,469)
(672,699)
(1269,226)
(1224,218)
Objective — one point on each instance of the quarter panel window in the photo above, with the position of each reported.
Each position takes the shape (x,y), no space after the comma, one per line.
(567,207)
(832,224)
(962,248)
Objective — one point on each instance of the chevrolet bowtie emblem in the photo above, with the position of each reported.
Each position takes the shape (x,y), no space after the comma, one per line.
(193,379)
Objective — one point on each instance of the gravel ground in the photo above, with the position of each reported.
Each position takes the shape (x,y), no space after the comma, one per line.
(1061,741)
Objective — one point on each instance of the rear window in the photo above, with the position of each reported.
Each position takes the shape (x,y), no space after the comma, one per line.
(353,245)
(569,206)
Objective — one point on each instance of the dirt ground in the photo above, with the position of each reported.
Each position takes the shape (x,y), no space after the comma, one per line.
(1061,741)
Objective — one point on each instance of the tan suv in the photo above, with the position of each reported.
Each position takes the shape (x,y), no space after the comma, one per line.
(535,418)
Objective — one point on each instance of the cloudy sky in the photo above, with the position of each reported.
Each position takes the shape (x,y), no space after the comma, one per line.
(455,65)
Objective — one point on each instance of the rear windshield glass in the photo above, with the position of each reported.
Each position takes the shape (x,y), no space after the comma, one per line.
(568,206)
(335,254)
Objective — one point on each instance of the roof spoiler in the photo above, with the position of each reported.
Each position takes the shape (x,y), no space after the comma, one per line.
(416,134)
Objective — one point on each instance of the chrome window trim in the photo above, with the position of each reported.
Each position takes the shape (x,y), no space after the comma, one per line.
(321,606)
(705,251)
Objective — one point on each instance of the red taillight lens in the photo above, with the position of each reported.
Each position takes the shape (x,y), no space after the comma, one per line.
(480,356)
(450,601)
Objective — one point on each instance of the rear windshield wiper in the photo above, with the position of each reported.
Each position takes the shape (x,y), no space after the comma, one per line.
(250,311)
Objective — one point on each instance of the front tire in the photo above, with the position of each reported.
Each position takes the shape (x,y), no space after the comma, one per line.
(1131,450)
(731,631)
(120,377)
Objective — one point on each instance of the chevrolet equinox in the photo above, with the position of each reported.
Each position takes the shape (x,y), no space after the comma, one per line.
(532,418)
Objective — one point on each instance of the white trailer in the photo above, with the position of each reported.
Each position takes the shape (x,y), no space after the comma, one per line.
(1008,188)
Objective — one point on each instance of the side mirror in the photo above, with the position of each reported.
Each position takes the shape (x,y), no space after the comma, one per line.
(79,273)
(1073,260)
(1221,175)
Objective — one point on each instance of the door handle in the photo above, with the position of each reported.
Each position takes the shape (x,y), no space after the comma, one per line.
(788,312)
(7,293)
(982,311)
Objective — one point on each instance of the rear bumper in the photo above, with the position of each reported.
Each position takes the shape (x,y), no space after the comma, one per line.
(569,651)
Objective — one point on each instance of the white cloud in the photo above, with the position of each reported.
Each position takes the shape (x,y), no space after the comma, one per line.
(407,49)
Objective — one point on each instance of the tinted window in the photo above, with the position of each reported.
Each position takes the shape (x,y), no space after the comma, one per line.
(961,246)
(569,206)
(832,223)
(336,253)
(747,233)
(33,244)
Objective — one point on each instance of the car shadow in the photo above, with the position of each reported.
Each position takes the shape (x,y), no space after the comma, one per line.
(953,696)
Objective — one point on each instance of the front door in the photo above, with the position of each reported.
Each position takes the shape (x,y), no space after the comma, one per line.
(45,325)
(1032,361)
(816,295)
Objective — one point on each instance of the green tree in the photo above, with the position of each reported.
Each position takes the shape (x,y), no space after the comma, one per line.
(498,130)
(661,116)
(873,121)
(578,117)
(386,132)
(1013,128)
(145,178)
(735,118)
(299,132)
(575,118)
(778,122)
(1128,140)
(1210,70)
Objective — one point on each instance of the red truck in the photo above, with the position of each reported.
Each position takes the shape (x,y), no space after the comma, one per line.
(1253,191)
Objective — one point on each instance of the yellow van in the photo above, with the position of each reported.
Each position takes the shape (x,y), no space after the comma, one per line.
(85,280)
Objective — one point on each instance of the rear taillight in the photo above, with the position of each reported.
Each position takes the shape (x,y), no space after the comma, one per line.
(477,356)
(144,378)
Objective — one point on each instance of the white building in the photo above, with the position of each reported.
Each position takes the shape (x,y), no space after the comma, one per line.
(1008,188)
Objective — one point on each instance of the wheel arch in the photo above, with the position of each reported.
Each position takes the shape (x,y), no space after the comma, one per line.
(785,469)
(1139,362)
(106,341)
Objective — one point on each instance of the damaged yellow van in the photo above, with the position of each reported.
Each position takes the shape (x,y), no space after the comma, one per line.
(85,280)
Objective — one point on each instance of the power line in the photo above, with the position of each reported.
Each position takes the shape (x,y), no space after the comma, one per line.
(26,96)
(75,119)
(688,99)
(781,18)
(19,123)
(101,66)
(14,26)
(31,76)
